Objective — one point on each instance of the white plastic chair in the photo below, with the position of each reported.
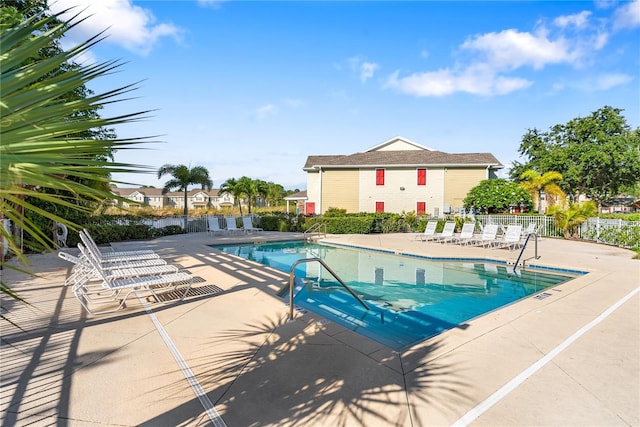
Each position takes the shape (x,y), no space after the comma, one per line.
(429,231)
(447,232)
(511,238)
(214,225)
(465,234)
(247,224)
(231,224)
(112,288)
(489,234)
(115,256)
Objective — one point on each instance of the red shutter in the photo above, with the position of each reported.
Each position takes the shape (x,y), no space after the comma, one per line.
(379,207)
(379,176)
(422,177)
(421,208)
(310,208)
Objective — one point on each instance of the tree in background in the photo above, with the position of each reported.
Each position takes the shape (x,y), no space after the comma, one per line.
(598,155)
(251,188)
(183,177)
(537,184)
(569,218)
(497,196)
(232,187)
(274,194)
(48,152)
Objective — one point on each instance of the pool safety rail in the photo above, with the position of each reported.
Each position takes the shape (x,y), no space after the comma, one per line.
(292,276)
(524,246)
(318,229)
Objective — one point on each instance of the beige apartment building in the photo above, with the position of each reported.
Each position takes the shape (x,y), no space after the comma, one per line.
(196,199)
(395,176)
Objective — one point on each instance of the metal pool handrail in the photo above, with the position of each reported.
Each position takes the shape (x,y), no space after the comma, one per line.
(524,245)
(316,229)
(292,276)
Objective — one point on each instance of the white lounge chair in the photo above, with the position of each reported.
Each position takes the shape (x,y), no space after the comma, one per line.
(447,232)
(111,288)
(465,234)
(247,224)
(489,234)
(214,225)
(511,238)
(231,224)
(84,270)
(115,256)
(82,266)
(429,231)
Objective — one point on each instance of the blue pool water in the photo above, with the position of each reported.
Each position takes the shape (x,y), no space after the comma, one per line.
(410,298)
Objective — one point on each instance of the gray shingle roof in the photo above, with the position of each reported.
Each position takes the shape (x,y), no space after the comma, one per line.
(403,158)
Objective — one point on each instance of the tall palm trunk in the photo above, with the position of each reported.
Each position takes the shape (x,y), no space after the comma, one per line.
(186,209)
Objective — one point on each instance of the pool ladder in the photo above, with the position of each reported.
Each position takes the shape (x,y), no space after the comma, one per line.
(317,229)
(292,276)
(524,246)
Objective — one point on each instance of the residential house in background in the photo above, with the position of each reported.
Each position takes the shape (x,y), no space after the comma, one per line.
(394,176)
(196,199)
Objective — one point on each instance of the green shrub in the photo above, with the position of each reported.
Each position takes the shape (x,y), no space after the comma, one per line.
(344,225)
(169,230)
(271,223)
(626,236)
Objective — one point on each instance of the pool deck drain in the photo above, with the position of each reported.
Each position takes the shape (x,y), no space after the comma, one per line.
(258,369)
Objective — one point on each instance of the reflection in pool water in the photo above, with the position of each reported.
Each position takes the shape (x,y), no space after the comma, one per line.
(411,298)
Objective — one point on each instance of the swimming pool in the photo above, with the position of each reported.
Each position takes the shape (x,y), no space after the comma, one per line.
(411,298)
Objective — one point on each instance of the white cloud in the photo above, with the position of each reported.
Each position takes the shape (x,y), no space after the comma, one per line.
(266,111)
(511,49)
(364,69)
(494,56)
(579,20)
(627,16)
(608,81)
(367,69)
(132,27)
(476,80)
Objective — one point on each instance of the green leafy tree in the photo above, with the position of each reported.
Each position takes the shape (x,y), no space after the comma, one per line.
(569,218)
(183,177)
(597,155)
(537,184)
(47,150)
(231,186)
(274,194)
(497,196)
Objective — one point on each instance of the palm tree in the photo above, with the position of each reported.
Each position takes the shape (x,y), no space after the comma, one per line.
(537,184)
(45,151)
(183,177)
(570,218)
(231,186)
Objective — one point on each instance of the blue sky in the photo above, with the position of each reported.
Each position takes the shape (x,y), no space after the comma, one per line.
(253,88)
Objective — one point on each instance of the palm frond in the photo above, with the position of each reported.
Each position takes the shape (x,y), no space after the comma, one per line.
(44,140)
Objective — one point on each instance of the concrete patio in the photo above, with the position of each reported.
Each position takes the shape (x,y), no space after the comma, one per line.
(226,355)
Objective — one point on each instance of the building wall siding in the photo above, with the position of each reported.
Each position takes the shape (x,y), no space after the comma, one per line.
(458,182)
(395,199)
(340,189)
(313,189)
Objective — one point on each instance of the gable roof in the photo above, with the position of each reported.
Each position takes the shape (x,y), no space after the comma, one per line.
(412,155)
(402,158)
(300,195)
(397,141)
